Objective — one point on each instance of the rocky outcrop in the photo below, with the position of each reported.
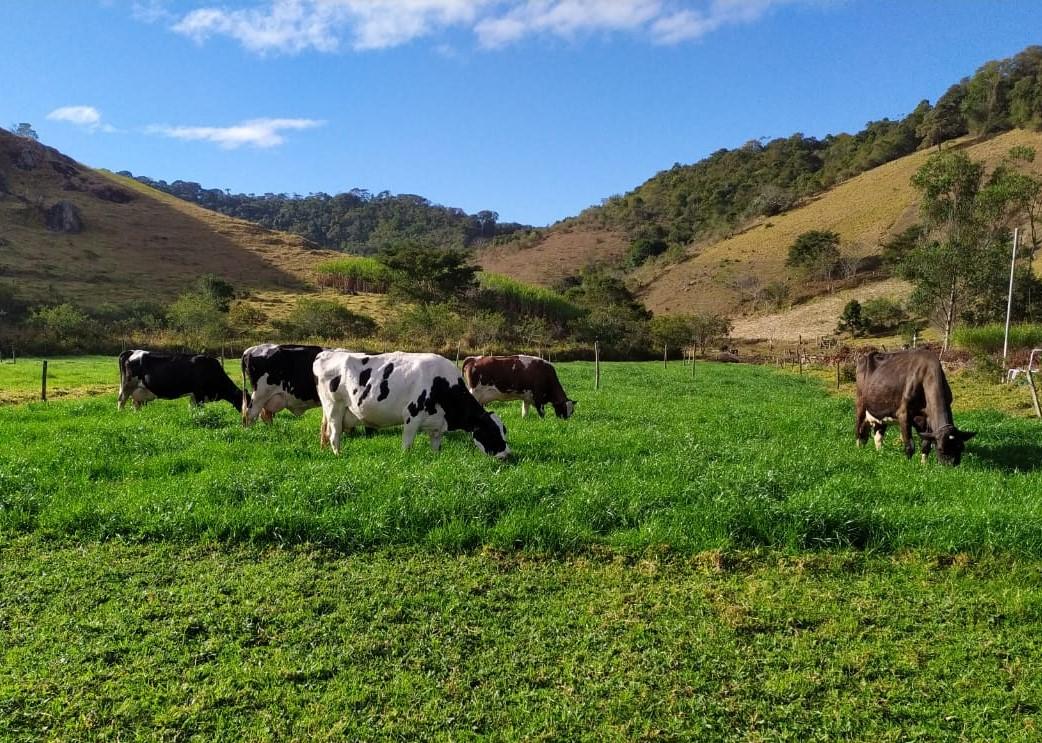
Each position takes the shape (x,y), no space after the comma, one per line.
(115,194)
(64,217)
(26,157)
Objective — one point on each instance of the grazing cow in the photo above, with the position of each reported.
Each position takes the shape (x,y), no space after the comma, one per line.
(282,377)
(526,378)
(908,387)
(146,375)
(422,391)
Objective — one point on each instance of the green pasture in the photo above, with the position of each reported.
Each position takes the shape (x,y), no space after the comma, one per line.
(699,556)
(728,457)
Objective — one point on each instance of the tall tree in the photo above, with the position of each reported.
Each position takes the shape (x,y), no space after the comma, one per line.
(25,130)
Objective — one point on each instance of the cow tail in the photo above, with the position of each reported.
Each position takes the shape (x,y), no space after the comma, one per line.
(245,389)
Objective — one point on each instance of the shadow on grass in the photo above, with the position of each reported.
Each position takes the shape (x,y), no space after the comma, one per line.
(1009,457)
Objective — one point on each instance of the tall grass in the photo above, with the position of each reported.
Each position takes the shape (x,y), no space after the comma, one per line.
(357,274)
(985,339)
(517,298)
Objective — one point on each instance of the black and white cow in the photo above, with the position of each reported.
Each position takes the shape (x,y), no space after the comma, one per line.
(147,375)
(282,377)
(420,391)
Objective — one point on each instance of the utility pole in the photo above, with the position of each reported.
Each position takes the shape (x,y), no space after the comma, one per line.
(1009,299)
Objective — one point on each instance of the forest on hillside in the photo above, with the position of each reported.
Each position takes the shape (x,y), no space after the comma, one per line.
(357,221)
(715,196)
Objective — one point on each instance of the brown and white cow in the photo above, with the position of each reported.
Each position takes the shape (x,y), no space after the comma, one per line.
(526,378)
(909,388)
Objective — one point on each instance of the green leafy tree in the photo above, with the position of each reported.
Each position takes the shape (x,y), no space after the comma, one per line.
(945,120)
(851,320)
(216,289)
(427,274)
(65,322)
(200,319)
(815,254)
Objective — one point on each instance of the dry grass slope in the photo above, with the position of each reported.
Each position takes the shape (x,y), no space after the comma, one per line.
(863,210)
(149,247)
(562,253)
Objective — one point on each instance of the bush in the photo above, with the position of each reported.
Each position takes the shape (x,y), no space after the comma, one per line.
(882,314)
(428,325)
(852,320)
(246,316)
(323,318)
(63,322)
(643,249)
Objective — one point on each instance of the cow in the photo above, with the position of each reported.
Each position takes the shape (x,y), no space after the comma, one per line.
(282,377)
(147,375)
(908,387)
(420,391)
(526,378)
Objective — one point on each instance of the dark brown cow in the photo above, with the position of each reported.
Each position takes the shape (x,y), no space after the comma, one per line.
(908,387)
(526,378)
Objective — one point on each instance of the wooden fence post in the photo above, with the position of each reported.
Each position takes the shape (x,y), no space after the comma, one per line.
(665,354)
(799,353)
(459,346)
(43,382)
(837,372)
(596,365)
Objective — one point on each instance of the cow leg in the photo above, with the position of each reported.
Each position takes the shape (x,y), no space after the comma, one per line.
(436,440)
(524,408)
(323,434)
(409,432)
(334,421)
(539,409)
(879,431)
(905,424)
(266,415)
(860,425)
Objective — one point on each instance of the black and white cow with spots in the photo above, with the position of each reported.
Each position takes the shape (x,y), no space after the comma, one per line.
(282,378)
(147,375)
(420,391)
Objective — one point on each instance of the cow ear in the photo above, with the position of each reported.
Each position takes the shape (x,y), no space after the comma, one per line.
(967,435)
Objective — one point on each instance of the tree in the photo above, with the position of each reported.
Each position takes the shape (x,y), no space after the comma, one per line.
(428,275)
(26,131)
(960,265)
(984,105)
(200,320)
(674,331)
(216,289)
(851,319)
(815,254)
(945,120)
(707,329)
(323,318)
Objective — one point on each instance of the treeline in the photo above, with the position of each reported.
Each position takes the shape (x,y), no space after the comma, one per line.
(720,193)
(354,222)
(441,300)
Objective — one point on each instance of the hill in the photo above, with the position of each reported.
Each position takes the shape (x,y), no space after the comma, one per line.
(357,221)
(136,243)
(864,211)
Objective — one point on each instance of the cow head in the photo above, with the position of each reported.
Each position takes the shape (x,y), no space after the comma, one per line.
(950,443)
(490,435)
(564,409)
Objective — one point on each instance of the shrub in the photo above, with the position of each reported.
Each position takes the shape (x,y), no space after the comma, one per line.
(882,314)
(852,319)
(644,248)
(323,318)
(64,322)
(430,325)
(246,316)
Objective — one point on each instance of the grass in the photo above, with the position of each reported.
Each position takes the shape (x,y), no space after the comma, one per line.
(674,562)
(988,339)
(354,274)
(527,299)
(715,463)
(167,642)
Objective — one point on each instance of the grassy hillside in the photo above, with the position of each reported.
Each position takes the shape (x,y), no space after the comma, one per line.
(562,252)
(137,243)
(864,211)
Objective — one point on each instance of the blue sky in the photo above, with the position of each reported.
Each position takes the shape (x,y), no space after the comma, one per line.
(533,108)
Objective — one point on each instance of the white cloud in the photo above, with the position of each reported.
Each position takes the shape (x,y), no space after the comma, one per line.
(293,26)
(296,25)
(262,133)
(86,116)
